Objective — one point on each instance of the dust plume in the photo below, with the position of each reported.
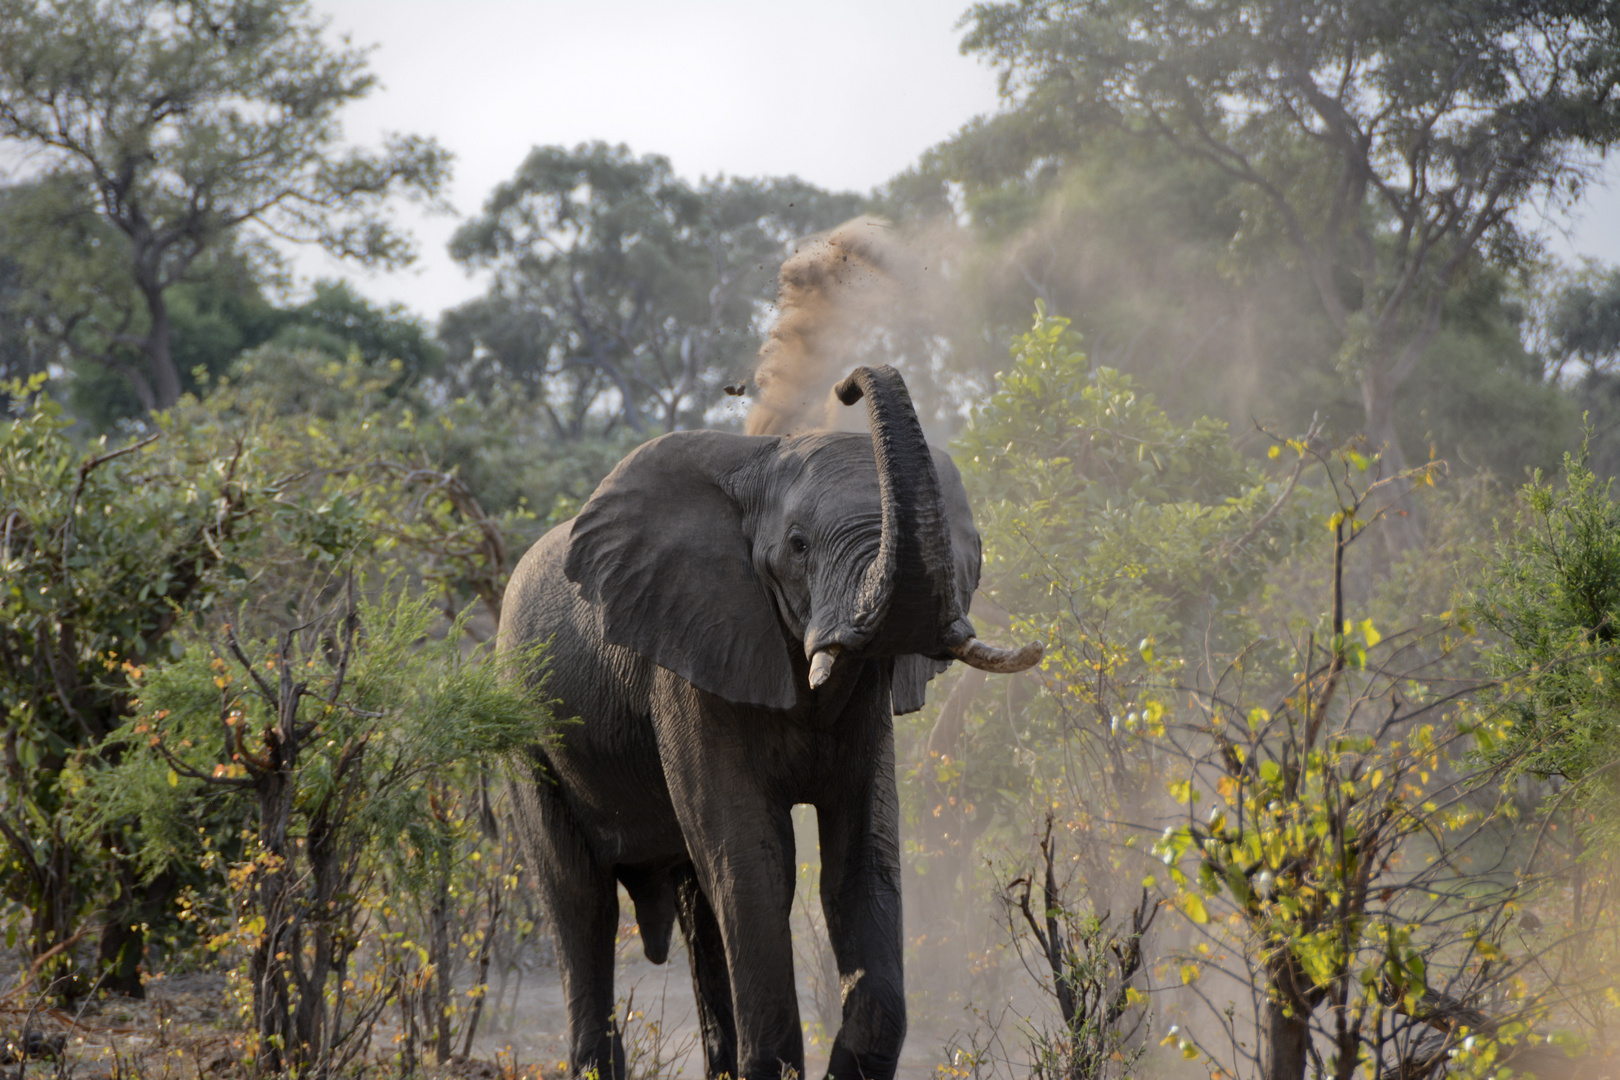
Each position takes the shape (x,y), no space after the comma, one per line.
(837,297)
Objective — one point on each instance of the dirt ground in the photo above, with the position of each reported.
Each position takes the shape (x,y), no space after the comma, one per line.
(189,1028)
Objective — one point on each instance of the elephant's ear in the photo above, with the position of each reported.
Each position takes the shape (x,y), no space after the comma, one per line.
(660,547)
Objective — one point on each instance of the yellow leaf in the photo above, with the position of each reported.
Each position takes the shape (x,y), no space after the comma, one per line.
(174,778)
(1372,636)
(1193,905)
(1189,974)
(1274,453)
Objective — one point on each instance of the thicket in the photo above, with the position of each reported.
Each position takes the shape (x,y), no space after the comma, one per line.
(230,737)
(1287,827)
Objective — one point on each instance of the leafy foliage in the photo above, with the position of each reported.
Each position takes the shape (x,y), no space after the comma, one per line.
(1382,149)
(1584,322)
(106,552)
(103,553)
(1121,534)
(1130,544)
(1554,598)
(1311,843)
(336,736)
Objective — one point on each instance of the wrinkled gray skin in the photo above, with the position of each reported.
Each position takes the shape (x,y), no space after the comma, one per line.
(683,607)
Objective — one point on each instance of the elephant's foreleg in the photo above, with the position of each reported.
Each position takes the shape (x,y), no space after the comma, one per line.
(583,901)
(712,984)
(860,895)
(740,837)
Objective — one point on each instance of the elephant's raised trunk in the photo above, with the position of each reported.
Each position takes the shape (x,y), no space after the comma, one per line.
(913,511)
(916,533)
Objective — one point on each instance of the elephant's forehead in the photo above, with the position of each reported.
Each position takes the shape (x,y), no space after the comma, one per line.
(829,455)
(831,467)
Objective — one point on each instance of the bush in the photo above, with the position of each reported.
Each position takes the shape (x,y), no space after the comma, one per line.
(336,739)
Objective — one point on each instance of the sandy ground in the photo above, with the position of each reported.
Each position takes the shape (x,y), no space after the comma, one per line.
(185,1030)
(662,1032)
(189,1027)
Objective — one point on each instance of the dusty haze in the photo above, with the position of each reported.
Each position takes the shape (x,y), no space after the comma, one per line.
(842,298)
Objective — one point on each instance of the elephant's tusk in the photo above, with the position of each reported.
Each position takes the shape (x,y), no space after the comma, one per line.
(975,653)
(821,665)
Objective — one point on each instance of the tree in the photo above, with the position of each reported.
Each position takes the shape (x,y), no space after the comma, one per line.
(1130,543)
(166,127)
(1583,324)
(1347,885)
(104,552)
(1580,329)
(1388,145)
(240,497)
(337,319)
(622,294)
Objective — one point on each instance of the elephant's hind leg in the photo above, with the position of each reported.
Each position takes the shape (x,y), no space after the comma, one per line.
(583,901)
(710,979)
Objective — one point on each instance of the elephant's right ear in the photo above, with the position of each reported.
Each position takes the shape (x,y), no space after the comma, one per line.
(660,546)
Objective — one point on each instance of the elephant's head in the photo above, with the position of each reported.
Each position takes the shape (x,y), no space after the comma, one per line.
(714,554)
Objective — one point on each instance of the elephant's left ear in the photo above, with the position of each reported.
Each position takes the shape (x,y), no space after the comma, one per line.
(660,546)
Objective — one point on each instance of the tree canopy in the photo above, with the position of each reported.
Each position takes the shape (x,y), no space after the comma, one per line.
(163,128)
(1388,146)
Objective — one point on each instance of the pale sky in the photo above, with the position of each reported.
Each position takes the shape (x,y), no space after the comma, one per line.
(843,93)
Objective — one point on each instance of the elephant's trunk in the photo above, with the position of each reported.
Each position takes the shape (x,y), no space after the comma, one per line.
(916,532)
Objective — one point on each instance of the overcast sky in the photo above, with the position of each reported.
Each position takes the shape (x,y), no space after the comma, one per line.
(843,93)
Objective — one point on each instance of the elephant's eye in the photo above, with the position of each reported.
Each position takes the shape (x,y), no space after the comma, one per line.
(797,544)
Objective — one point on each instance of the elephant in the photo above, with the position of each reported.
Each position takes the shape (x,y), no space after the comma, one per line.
(730,624)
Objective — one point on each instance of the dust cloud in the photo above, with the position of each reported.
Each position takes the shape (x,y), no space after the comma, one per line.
(843,296)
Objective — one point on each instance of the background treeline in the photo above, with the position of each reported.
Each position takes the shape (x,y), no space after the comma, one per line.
(1280,518)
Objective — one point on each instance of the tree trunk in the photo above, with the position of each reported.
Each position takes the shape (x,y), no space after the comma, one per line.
(159,350)
(1393,501)
(1286,1042)
(277,947)
(439,953)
